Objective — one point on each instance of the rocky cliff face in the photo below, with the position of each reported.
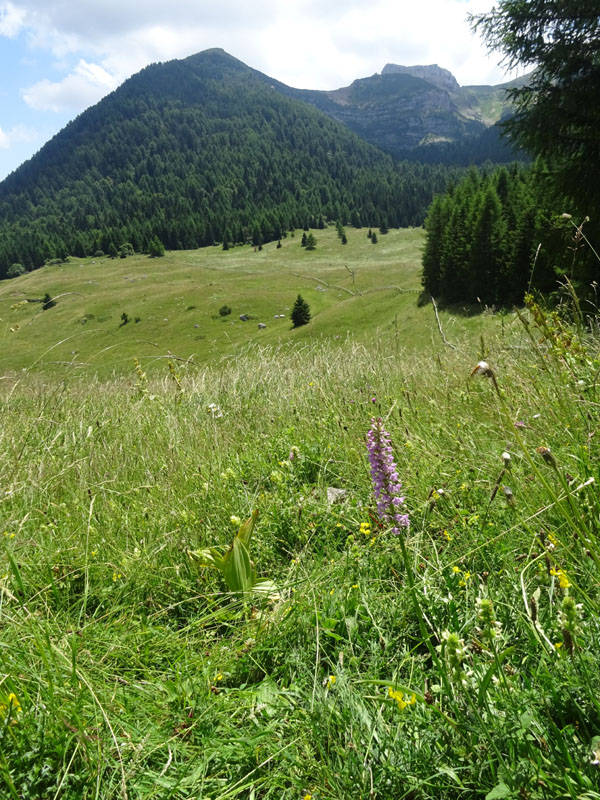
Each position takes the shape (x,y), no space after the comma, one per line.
(440,77)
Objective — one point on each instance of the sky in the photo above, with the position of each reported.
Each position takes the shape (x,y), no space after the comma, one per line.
(57,58)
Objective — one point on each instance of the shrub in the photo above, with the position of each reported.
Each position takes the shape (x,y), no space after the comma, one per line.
(224,311)
(47,302)
(15,270)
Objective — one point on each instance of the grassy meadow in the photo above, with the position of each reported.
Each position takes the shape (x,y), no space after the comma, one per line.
(358,290)
(459,659)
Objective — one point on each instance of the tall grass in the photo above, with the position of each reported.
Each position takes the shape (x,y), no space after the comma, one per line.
(458,660)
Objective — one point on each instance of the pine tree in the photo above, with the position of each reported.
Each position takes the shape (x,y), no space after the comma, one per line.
(300,312)
(156,248)
(311,242)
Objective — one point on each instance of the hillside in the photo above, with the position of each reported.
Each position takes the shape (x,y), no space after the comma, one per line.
(358,290)
(198,151)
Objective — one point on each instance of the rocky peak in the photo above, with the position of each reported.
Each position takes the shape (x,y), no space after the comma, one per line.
(437,75)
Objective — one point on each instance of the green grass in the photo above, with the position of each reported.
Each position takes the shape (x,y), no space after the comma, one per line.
(135,674)
(177,299)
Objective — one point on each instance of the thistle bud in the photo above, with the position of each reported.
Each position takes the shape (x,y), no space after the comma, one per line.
(545,453)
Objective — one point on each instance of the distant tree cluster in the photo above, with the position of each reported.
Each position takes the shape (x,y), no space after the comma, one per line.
(482,237)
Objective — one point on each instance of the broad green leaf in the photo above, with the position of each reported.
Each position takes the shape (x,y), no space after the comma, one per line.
(237,570)
(267,587)
(498,792)
(246,529)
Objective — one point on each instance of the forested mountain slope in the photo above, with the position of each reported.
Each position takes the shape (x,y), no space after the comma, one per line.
(197,151)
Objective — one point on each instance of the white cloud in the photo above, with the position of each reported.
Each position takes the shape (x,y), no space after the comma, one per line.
(11,20)
(87,84)
(306,43)
(19,133)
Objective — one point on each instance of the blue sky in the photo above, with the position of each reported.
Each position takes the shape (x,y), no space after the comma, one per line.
(58,58)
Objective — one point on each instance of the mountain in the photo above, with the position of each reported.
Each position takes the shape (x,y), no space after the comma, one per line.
(442,78)
(198,151)
(422,114)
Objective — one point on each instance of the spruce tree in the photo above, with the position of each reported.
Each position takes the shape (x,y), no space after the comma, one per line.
(300,312)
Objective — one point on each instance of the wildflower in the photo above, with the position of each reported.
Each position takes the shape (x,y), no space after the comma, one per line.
(563,580)
(235,520)
(545,453)
(386,483)
(399,698)
(508,494)
(486,615)
(447,535)
(365,528)
(453,648)
(482,368)
(506,459)
(294,453)
(520,424)
(12,706)
(214,410)
(456,569)
(569,614)
(331,681)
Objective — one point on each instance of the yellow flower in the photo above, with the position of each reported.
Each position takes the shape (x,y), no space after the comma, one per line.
(307,797)
(331,681)
(563,581)
(355,585)
(464,579)
(455,570)
(399,698)
(12,704)
(448,537)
